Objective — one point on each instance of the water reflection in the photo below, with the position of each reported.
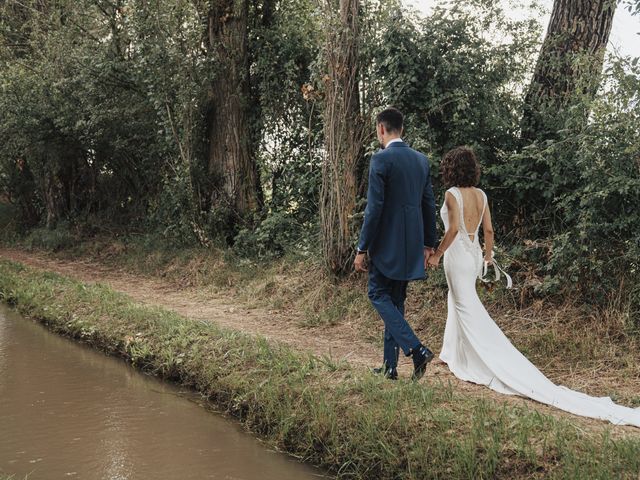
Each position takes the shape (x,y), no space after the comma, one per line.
(67,411)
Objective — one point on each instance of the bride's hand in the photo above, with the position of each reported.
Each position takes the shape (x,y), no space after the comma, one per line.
(434,261)
(488,257)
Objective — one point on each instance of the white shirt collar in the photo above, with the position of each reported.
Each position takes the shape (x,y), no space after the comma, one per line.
(393,141)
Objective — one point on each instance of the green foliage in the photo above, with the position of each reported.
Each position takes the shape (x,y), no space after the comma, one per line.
(102,129)
(66,149)
(582,191)
(458,75)
(59,238)
(8,218)
(284,44)
(273,237)
(171,213)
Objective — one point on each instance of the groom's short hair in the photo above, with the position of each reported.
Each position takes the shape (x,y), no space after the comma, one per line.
(392,119)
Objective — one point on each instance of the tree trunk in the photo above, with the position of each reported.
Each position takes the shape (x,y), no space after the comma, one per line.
(234,174)
(570,63)
(52,192)
(343,135)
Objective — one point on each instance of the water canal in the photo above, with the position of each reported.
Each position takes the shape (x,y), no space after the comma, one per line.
(67,411)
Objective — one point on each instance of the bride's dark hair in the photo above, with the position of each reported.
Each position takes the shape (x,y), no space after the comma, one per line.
(460,168)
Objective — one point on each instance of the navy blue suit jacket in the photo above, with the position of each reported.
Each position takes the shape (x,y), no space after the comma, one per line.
(400,218)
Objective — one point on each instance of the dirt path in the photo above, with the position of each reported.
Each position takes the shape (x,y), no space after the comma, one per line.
(195,304)
(337,342)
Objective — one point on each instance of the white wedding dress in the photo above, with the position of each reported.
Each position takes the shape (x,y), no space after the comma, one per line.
(476,350)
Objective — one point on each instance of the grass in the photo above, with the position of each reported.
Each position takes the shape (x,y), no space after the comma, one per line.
(333,415)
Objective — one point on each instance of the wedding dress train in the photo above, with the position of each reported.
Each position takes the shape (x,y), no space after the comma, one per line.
(476,350)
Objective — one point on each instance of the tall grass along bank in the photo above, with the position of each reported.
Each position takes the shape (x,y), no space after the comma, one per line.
(331,414)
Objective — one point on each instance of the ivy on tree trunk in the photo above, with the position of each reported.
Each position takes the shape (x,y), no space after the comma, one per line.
(230,160)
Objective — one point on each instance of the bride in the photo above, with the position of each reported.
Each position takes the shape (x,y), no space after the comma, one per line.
(474,347)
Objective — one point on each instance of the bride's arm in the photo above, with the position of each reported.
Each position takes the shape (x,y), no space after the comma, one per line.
(450,235)
(487,228)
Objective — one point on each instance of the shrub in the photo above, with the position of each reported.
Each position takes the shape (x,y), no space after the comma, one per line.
(55,239)
(581,191)
(273,237)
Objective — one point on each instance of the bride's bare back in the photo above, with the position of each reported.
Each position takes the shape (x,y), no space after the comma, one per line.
(473,208)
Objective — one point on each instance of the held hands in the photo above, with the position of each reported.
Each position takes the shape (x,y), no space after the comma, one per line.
(431,258)
(433,261)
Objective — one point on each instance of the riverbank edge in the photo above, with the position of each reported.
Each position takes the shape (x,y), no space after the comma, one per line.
(350,422)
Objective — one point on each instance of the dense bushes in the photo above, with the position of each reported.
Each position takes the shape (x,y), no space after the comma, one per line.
(102,112)
(580,192)
(102,128)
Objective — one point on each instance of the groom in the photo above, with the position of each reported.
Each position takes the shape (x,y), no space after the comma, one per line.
(398,236)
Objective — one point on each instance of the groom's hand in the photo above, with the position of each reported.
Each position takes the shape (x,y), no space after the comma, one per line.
(360,263)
